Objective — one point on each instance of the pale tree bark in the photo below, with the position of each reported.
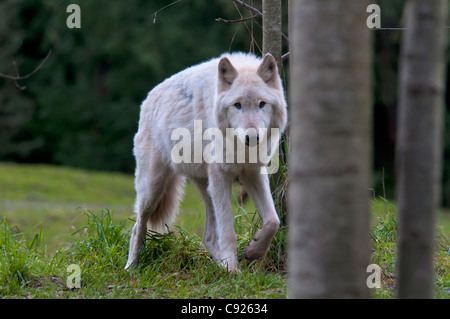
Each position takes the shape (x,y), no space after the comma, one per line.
(272,43)
(272,30)
(419,146)
(330,148)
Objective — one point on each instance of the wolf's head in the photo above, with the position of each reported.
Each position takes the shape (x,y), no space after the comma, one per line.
(250,96)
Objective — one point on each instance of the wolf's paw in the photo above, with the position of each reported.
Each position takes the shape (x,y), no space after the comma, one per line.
(230,266)
(255,250)
(128,265)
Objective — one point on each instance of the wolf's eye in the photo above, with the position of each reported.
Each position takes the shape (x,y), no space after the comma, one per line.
(237,105)
(261,104)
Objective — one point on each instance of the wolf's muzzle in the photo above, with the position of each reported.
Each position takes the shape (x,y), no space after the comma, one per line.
(251,140)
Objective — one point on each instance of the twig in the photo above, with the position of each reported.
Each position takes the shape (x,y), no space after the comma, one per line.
(258,14)
(20,87)
(156,12)
(18,77)
(253,42)
(238,20)
(249,7)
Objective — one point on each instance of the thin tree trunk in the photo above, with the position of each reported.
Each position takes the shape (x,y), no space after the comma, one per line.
(272,30)
(272,43)
(420,125)
(330,148)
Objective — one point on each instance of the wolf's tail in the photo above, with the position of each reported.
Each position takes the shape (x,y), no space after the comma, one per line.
(168,205)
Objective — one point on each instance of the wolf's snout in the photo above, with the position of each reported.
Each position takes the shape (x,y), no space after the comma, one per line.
(251,140)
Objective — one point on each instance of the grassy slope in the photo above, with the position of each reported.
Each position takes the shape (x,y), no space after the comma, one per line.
(43,200)
(51,217)
(35,195)
(56,197)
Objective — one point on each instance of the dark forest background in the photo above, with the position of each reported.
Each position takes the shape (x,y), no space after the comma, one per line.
(81,108)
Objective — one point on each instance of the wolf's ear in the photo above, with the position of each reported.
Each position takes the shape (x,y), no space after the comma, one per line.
(268,71)
(227,74)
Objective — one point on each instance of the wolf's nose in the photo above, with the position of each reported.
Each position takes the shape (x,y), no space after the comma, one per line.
(251,140)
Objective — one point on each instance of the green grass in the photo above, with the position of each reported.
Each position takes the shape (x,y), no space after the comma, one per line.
(32,196)
(55,198)
(384,246)
(172,265)
(52,217)
(54,229)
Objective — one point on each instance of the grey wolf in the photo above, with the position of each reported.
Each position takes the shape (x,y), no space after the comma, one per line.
(235,91)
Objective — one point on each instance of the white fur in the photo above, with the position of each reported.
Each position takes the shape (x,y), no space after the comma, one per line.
(207,92)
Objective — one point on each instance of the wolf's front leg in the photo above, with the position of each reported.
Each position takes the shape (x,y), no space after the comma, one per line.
(257,186)
(219,189)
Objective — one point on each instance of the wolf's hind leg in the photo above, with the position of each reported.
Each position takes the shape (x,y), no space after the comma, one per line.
(210,233)
(168,205)
(153,180)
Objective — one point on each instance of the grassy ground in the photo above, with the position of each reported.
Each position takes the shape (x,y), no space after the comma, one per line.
(56,198)
(53,217)
(384,241)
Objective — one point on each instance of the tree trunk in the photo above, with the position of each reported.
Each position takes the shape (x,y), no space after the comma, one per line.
(272,30)
(272,43)
(330,148)
(420,125)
